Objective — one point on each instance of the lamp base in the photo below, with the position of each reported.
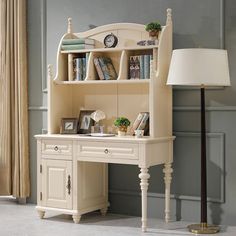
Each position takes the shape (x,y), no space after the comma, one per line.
(203,228)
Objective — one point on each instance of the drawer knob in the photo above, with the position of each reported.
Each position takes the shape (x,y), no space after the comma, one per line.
(106,151)
(56,148)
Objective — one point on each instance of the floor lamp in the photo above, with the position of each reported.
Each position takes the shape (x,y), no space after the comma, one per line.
(200,67)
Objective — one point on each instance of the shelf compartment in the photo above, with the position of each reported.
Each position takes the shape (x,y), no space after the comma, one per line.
(126,62)
(71,66)
(115,57)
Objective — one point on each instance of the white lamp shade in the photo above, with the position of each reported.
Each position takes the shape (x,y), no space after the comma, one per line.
(198,66)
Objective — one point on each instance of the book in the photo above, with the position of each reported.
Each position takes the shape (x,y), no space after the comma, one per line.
(86,62)
(108,69)
(78,69)
(147,66)
(136,123)
(78,41)
(87,57)
(84,66)
(98,68)
(137,67)
(111,68)
(146,128)
(131,68)
(144,121)
(141,66)
(76,46)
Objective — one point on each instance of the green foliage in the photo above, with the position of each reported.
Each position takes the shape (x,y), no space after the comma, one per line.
(121,121)
(153,26)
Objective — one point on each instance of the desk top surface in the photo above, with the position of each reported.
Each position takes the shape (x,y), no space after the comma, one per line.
(127,138)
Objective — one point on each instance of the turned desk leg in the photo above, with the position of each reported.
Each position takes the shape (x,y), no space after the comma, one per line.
(76,218)
(41,214)
(144,176)
(167,178)
(103,211)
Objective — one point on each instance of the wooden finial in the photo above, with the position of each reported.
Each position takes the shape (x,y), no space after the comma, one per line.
(69,29)
(49,71)
(168,16)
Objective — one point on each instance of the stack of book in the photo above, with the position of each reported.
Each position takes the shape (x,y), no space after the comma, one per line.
(77,44)
(105,68)
(139,66)
(77,67)
(141,123)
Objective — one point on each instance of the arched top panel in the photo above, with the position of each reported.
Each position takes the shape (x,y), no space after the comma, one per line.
(128,34)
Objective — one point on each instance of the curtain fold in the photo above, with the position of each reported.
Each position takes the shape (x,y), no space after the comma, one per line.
(14,153)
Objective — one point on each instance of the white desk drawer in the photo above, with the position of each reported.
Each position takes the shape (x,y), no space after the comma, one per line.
(127,151)
(57,147)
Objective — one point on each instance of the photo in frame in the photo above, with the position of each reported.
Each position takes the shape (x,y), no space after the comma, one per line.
(69,126)
(85,121)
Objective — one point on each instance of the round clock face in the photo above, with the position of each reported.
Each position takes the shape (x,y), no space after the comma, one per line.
(110,41)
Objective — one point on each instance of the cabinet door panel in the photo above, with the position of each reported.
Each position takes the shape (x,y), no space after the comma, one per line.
(57,183)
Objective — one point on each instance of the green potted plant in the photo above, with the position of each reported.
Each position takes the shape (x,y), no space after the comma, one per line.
(153,28)
(122,123)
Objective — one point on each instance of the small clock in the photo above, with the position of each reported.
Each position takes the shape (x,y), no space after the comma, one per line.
(110,41)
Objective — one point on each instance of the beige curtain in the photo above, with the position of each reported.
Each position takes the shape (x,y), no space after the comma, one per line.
(14,156)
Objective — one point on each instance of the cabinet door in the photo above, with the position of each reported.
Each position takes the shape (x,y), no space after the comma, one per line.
(57,183)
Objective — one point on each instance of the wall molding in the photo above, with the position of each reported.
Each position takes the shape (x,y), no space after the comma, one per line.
(44,45)
(186,197)
(161,196)
(37,108)
(222,24)
(221,137)
(175,108)
(208,108)
(179,87)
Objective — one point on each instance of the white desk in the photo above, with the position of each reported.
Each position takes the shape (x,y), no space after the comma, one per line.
(67,184)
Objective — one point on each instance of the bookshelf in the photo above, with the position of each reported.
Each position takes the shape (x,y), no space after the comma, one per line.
(81,162)
(151,95)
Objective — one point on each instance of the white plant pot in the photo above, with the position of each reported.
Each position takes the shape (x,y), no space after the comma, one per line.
(121,133)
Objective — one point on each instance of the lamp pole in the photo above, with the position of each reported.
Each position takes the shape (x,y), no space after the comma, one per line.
(203,161)
(203,227)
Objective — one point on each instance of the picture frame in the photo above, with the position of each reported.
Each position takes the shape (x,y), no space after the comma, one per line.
(85,121)
(69,125)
